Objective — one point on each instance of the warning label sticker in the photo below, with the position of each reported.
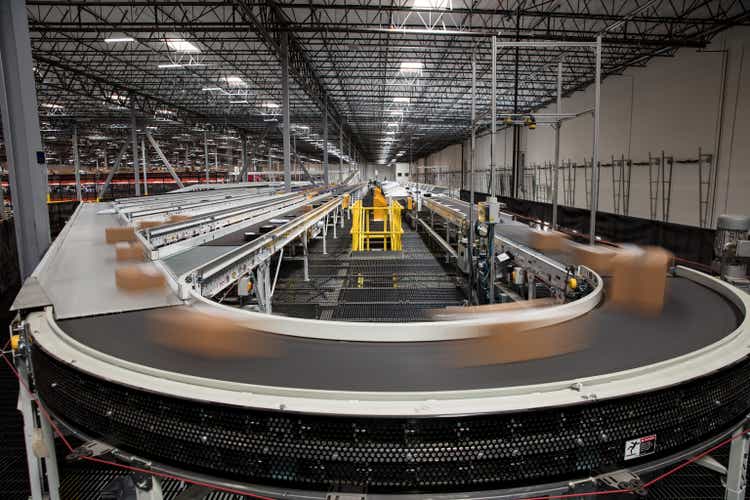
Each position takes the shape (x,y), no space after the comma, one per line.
(640,447)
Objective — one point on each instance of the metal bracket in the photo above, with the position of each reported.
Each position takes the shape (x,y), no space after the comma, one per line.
(90,449)
(622,480)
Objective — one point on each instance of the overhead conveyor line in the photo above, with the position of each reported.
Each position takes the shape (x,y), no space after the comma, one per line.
(169,239)
(218,274)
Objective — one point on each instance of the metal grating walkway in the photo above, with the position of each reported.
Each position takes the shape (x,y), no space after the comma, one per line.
(371,286)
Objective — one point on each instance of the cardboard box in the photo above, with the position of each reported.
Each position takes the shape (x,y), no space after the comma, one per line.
(178,218)
(145,224)
(639,279)
(118,234)
(129,251)
(138,278)
(546,241)
(598,258)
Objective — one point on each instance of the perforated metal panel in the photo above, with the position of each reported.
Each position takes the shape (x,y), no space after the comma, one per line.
(392,454)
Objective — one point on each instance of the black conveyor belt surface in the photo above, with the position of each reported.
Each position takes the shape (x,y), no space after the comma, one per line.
(693,317)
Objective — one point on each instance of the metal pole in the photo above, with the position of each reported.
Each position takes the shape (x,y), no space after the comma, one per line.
(205,152)
(491,189)
(595,158)
(164,159)
(737,467)
(470,239)
(77,163)
(27,172)
(326,179)
(243,177)
(115,168)
(285,106)
(304,249)
(134,141)
(145,166)
(341,153)
(556,166)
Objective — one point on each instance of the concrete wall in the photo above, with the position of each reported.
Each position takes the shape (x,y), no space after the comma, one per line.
(672,105)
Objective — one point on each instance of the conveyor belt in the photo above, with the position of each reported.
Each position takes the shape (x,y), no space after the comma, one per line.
(693,317)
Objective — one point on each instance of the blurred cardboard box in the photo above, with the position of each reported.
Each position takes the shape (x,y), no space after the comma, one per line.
(145,224)
(178,218)
(129,251)
(118,234)
(137,278)
(546,241)
(639,279)
(596,257)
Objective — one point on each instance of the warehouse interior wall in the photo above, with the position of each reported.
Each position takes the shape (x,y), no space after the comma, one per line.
(696,100)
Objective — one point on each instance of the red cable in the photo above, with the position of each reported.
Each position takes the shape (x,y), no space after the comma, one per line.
(260,497)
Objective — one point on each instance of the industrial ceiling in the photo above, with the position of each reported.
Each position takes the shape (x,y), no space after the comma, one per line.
(394,76)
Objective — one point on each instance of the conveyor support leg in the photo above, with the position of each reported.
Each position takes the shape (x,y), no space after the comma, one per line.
(304,249)
(325,234)
(737,469)
(40,445)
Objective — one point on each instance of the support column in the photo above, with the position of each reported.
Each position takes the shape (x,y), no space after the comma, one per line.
(164,160)
(243,176)
(341,154)
(305,258)
(595,156)
(77,163)
(326,179)
(493,101)
(470,239)
(558,124)
(27,172)
(145,166)
(205,153)
(285,110)
(134,140)
(737,467)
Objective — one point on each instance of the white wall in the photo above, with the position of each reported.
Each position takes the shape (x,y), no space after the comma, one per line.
(672,104)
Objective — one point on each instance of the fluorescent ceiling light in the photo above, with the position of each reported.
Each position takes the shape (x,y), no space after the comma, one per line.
(170,65)
(52,106)
(393,124)
(390,131)
(244,101)
(270,120)
(119,39)
(431,4)
(401,99)
(270,105)
(179,45)
(412,67)
(211,89)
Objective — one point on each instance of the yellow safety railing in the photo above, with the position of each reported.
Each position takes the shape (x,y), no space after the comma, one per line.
(362,234)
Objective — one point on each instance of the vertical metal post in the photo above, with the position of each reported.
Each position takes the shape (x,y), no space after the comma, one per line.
(216,158)
(737,467)
(205,153)
(304,250)
(243,177)
(326,179)
(325,234)
(558,124)
(470,239)
(285,106)
(27,172)
(134,141)
(341,154)
(77,163)
(493,101)
(145,166)
(595,158)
